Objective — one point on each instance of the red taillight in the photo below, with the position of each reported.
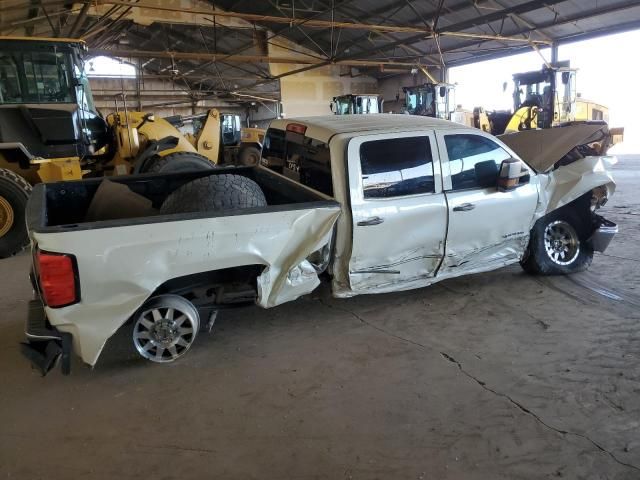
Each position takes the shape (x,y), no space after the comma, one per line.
(296,128)
(57,279)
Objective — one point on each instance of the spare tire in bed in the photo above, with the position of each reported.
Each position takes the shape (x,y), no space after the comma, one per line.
(215,192)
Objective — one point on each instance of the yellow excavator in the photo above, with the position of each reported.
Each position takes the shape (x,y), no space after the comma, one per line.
(50,130)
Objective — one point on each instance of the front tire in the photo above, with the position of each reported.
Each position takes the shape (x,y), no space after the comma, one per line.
(249,156)
(14,194)
(558,245)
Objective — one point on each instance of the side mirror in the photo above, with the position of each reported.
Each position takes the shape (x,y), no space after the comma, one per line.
(443,92)
(331,106)
(504,86)
(513,174)
(565,77)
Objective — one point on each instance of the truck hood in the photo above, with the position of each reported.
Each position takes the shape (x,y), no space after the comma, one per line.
(544,149)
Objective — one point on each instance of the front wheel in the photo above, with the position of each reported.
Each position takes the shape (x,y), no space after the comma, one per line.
(249,156)
(558,245)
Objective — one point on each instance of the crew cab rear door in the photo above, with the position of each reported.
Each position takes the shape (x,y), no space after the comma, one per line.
(487,228)
(399,213)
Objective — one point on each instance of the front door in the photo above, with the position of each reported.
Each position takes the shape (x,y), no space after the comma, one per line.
(399,213)
(487,228)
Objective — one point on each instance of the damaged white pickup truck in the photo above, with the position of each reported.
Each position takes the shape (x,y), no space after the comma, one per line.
(379,203)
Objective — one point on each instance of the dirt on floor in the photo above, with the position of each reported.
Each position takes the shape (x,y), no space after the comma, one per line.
(494,376)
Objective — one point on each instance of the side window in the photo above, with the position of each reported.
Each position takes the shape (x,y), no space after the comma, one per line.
(397,166)
(474,161)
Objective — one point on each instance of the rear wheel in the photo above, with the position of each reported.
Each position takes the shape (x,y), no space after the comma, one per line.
(215,192)
(165,328)
(558,245)
(14,194)
(179,162)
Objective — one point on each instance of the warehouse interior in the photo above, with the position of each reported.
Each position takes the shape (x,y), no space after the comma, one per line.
(491,375)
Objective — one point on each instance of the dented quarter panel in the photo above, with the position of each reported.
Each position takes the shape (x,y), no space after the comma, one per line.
(117,277)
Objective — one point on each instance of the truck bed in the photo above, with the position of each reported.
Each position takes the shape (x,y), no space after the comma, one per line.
(62,206)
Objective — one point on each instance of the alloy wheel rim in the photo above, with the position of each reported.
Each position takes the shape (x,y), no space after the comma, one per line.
(561,242)
(163,334)
(6,216)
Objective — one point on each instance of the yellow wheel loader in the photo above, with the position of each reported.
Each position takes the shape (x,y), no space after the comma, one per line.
(543,98)
(50,130)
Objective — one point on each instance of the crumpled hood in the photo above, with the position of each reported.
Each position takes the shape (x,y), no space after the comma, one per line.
(542,149)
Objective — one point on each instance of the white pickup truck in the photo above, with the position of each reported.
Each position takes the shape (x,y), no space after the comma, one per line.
(380,203)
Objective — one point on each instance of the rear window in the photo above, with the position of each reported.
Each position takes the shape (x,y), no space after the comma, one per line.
(301,158)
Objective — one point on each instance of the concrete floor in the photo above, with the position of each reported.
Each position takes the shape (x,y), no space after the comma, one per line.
(499,375)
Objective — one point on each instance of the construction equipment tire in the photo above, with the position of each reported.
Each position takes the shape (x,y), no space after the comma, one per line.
(14,193)
(249,156)
(179,162)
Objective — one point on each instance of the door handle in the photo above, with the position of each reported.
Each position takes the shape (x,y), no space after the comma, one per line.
(465,207)
(370,221)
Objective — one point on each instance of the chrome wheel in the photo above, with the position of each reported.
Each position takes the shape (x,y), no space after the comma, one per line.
(561,242)
(165,328)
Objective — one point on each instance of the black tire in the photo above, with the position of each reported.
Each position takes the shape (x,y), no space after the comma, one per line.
(542,259)
(179,162)
(215,192)
(14,194)
(249,156)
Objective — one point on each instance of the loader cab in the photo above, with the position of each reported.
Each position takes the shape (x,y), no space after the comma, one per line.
(356,104)
(550,90)
(45,98)
(230,129)
(430,100)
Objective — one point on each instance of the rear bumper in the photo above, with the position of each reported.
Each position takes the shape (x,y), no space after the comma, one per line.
(45,345)
(603,235)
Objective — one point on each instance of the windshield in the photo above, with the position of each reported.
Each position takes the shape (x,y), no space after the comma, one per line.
(533,93)
(342,105)
(367,105)
(34,77)
(421,102)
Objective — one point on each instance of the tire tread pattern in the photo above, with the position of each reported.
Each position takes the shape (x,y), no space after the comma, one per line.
(537,261)
(17,191)
(215,192)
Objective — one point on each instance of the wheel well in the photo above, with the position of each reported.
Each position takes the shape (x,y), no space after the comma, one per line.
(216,287)
(580,207)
